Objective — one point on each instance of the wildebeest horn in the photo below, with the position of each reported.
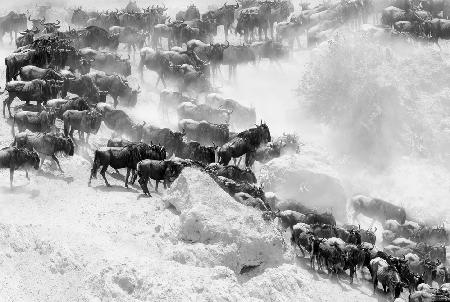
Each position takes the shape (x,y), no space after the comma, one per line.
(375,229)
(228,45)
(57,22)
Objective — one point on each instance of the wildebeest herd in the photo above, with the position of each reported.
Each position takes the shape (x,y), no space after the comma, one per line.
(70,73)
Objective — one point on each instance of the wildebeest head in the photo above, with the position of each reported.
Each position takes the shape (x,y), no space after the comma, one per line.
(69,147)
(173,169)
(94,119)
(264,131)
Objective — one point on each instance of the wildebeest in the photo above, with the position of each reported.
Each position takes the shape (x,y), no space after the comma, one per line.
(26,38)
(18,158)
(22,58)
(122,124)
(86,121)
(271,50)
(387,275)
(323,218)
(232,188)
(35,90)
(332,255)
(245,142)
(242,117)
(107,61)
(117,87)
(203,112)
(30,72)
(130,36)
(377,209)
(235,55)
(45,145)
(34,121)
(12,22)
(96,37)
(224,16)
(232,172)
(393,14)
(160,61)
(303,237)
(288,218)
(159,170)
(190,13)
(205,133)
(84,86)
(195,151)
(124,157)
(62,105)
(170,100)
(172,141)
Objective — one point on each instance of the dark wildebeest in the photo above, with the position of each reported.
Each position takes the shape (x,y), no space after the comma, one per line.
(232,172)
(45,145)
(122,124)
(205,133)
(172,141)
(35,90)
(84,86)
(353,257)
(124,157)
(203,112)
(42,121)
(22,58)
(62,105)
(196,152)
(107,61)
(387,275)
(18,158)
(245,142)
(86,121)
(96,37)
(116,86)
(377,209)
(159,170)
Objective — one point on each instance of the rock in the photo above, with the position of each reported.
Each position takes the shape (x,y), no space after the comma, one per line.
(311,182)
(219,225)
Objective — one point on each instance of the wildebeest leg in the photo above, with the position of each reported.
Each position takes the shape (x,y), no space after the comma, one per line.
(115,101)
(102,172)
(26,173)
(156,188)
(126,177)
(143,182)
(11,177)
(87,138)
(43,159)
(57,162)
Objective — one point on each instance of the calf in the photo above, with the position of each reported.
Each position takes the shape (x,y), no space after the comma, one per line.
(18,158)
(159,170)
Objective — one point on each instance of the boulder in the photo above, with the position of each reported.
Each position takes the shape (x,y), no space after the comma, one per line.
(215,223)
(311,182)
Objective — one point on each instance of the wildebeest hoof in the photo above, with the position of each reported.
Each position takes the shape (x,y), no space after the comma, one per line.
(108,185)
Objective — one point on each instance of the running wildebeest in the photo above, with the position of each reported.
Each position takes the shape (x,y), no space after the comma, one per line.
(377,209)
(245,142)
(18,158)
(45,145)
